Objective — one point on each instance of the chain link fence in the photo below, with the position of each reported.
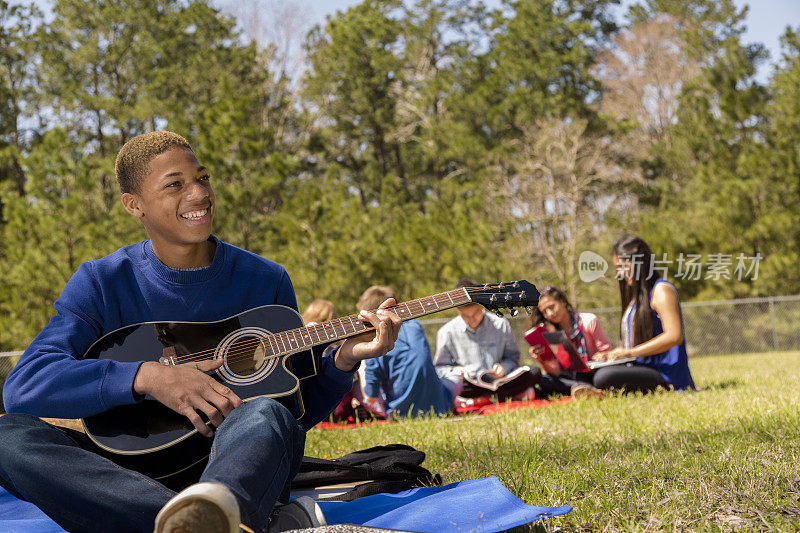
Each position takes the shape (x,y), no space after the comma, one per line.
(712,327)
(730,326)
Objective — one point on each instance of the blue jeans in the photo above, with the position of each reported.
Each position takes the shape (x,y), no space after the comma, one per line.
(256,453)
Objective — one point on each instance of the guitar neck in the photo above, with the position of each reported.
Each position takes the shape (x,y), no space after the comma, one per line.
(294,340)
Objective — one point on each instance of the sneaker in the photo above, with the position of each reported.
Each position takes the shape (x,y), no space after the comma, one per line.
(300,513)
(580,391)
(464,403)
(201,508)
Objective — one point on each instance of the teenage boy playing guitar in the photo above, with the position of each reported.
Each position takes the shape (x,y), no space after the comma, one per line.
(182,273)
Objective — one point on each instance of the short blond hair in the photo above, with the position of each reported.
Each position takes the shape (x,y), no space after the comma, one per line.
(373,297)
(319,311)
(133,158)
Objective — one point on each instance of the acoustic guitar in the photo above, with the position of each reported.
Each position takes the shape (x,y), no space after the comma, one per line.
(267,351)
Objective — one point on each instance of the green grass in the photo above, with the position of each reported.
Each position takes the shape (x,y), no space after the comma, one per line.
(724,458)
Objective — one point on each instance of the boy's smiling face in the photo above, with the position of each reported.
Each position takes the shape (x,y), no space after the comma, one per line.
(175,203)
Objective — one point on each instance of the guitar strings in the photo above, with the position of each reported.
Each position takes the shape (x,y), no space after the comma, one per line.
(316,327)
(246,347)
(285,338)
(244,350)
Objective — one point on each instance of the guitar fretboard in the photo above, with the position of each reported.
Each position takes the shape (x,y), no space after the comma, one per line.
(294,340)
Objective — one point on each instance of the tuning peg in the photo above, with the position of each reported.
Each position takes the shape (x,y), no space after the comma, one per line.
(514,312)
(499,313)
(528,310)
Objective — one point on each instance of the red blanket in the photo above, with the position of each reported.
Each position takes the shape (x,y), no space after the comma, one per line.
(487,409)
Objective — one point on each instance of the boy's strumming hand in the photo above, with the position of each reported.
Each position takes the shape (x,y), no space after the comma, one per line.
(186,389)
(373,343)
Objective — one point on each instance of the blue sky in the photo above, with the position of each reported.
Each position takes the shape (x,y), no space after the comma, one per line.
(766,20)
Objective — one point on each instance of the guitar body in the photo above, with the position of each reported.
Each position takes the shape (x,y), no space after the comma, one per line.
(158,442)
(267,351)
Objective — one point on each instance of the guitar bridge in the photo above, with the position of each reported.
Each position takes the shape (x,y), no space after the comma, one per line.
(168,356)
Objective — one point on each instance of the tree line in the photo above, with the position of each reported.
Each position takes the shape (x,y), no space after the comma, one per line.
(420,142)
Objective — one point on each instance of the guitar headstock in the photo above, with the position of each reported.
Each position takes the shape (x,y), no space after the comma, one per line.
(497,296)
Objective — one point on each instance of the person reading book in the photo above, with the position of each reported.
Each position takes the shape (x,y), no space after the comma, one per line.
(403,382)
(651,326)
(586,335)
(181,273)
(477,348)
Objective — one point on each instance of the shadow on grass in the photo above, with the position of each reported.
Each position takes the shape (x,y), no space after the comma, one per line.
(721,385)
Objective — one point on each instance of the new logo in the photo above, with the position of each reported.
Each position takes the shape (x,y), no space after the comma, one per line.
(591,266)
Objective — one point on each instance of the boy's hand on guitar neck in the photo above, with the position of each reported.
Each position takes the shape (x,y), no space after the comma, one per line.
(186,389)
(373,343)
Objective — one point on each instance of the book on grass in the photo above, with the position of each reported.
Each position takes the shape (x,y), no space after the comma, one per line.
(485,381)
(557,344)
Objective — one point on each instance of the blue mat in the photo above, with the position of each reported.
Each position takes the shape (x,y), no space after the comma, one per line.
(475,505)
(17,516)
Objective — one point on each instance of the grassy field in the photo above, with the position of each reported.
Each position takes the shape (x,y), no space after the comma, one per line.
(724,458)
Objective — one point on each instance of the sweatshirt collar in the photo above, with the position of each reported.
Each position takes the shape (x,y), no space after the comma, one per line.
(185,276)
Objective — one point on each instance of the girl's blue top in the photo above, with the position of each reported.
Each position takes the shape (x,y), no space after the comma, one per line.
(673,364)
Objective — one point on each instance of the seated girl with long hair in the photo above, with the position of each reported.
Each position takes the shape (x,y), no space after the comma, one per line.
(586,335)
(651,326)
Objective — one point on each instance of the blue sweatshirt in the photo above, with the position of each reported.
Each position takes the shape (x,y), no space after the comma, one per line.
(132,286)
(406,376)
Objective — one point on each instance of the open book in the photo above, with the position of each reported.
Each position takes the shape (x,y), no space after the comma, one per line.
(485,381)
(568,356)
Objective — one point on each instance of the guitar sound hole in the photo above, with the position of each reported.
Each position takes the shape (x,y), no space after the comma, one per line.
(245,356)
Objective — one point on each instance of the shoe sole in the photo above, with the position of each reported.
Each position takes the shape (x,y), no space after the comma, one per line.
(217,511)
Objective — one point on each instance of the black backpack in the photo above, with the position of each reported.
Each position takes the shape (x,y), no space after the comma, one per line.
(392,468)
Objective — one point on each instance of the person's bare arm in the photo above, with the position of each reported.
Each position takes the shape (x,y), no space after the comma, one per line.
(665,303)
